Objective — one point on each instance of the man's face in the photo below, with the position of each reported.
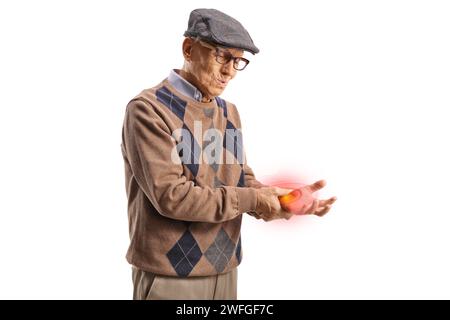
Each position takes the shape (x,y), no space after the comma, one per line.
(210,76)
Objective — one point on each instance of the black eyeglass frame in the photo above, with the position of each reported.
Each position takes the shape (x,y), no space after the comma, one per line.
(224,60)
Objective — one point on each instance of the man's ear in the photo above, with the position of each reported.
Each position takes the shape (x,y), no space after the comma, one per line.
(187,49)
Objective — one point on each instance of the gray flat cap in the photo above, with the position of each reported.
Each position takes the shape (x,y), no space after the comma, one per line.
(216,27)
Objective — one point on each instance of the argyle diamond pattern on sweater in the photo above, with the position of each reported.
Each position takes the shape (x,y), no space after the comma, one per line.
(185,254)
(223,105)
(220,251)
(171,101)
(238,250)
(236,147)
(194,158)
(178,106)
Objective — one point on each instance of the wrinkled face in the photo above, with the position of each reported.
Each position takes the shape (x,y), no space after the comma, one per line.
(203,70)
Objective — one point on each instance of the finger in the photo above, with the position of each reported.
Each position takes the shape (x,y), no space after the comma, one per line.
(323,203)
(323,212)
(317,185)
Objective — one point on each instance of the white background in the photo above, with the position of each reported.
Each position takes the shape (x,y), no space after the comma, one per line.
(355,92)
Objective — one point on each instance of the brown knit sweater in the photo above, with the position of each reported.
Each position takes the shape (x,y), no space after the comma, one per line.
(185,197)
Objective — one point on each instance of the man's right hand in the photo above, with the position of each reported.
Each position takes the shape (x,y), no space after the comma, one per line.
(268,204)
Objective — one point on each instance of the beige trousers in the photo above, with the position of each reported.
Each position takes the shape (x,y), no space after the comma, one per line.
(150,286)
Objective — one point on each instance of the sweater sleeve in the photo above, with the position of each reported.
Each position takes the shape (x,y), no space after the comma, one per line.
(148,147)
(251,182)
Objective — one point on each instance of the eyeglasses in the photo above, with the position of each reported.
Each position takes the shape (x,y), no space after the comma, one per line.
(223,57)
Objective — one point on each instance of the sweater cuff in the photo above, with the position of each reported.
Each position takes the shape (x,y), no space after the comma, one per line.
(247,198)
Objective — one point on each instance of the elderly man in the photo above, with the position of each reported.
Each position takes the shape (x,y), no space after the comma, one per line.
(187,180)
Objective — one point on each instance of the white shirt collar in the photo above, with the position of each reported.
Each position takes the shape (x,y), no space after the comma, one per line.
(184,86)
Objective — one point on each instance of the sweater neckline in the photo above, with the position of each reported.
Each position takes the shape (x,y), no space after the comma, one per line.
(190,100)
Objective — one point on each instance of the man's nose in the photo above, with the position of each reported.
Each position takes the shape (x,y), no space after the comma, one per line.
(228,68)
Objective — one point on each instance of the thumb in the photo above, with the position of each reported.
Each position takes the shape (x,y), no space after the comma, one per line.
(317,185)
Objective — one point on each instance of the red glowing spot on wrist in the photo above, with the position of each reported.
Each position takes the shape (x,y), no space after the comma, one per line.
(290,197)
